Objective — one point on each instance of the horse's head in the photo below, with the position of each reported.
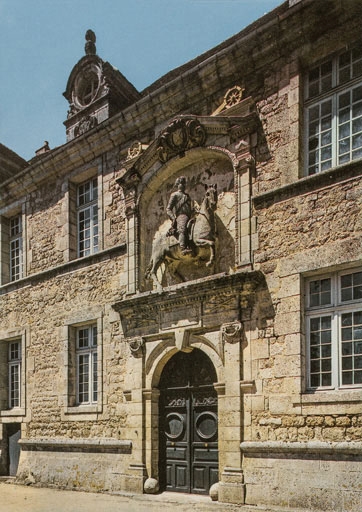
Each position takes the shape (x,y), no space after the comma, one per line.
(211,197)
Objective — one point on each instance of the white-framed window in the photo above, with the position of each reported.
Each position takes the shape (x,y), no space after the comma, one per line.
(86,365)
(16,248)
(333,112)
(14,367)
(87,217)
(334,330)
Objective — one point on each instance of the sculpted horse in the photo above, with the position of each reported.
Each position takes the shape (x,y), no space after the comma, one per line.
(166,249)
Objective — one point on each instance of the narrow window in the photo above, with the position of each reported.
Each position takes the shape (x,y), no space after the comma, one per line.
(87,217)
(14,374)
(87,364)
(16,248)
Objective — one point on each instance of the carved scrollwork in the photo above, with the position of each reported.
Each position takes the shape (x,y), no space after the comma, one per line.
(136,345)
(231,332)
(135,150)
(129,183)
(205,400)
(177,402)
(179,136)
(85,124)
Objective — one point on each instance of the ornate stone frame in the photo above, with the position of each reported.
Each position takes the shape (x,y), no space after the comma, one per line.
(190,135)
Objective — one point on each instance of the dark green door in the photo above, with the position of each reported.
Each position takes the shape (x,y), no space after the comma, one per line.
(188,424)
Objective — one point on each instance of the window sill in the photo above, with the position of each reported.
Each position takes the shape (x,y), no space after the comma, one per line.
(82,412)
(332,396)
(64,268)
(339,174)
(17,412)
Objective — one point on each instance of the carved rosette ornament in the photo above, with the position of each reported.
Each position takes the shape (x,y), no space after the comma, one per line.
(231,332)
(180,136)
(136,345)
(85,124)
(233,96)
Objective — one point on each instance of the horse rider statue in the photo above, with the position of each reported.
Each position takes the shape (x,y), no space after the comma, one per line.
(180,211)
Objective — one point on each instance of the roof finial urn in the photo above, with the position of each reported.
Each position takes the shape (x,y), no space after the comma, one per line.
(90,47)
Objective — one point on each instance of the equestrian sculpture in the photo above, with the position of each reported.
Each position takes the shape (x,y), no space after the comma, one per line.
(191,238)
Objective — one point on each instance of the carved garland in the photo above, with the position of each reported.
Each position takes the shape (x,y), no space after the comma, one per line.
(231,332)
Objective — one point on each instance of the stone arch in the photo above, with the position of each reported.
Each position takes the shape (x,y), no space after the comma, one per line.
(158,358)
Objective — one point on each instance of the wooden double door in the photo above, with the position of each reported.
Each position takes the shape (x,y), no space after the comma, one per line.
(188,424)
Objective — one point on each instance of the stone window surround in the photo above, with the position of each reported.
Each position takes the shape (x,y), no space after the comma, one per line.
(318,99)
(71,411)
(90,209)
(70,244)
(17,413)
(337,308)
(18,210)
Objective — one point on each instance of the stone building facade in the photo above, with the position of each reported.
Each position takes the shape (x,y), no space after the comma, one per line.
(232,364)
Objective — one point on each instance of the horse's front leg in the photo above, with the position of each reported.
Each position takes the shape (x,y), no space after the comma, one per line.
(208,243)
(212,254)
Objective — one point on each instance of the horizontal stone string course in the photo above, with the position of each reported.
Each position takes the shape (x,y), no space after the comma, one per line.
(352,448)
(77,445)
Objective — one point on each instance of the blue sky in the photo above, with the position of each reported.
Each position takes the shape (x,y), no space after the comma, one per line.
(41,41)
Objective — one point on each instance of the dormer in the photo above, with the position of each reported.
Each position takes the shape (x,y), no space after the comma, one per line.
(95,91)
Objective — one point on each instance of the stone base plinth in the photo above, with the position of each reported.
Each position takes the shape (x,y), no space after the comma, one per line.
(231,486)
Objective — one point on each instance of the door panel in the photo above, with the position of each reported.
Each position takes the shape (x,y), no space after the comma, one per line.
(204,439)
(188,425)
(176,439)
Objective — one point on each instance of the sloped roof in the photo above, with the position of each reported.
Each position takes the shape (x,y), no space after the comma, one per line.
(10,163)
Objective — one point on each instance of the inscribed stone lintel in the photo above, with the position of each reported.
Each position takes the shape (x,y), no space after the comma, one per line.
(180,317)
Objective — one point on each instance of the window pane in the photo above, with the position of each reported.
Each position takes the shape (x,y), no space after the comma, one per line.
(351,336)
(347,378)
(83,378)
(358,377)
(357,347)
(351,287)
(320,346)
(320,292)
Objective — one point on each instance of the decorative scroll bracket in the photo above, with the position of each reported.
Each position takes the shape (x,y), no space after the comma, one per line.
(136,345)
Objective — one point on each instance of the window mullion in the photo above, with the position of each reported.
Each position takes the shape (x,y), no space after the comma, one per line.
(336,350)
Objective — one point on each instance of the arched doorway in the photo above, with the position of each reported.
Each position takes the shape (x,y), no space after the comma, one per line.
(188,459)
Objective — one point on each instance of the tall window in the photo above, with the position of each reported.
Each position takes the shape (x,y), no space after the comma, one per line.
(87,214)
(14,373)
(16,248)
(334,330)
(334,112)
(87,360)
